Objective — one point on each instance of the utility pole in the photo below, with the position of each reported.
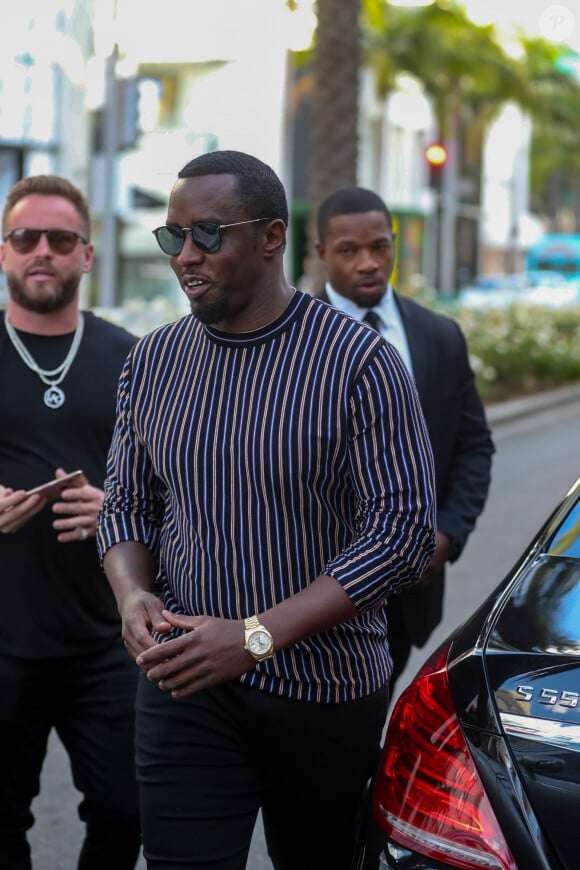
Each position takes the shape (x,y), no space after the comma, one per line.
(442,239)
(109,244)
(448,219)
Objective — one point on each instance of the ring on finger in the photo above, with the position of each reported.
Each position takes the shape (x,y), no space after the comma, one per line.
(83,534)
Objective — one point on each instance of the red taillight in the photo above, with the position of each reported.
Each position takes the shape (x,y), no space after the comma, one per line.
(428,796)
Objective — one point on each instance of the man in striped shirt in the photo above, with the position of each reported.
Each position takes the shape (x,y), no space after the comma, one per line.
(270,485)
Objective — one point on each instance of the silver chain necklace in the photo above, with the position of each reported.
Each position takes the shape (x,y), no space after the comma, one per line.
(53,397)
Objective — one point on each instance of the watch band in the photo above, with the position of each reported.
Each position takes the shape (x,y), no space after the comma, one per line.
(252,622)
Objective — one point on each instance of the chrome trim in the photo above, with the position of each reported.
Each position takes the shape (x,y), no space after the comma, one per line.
(564,735)
(455,851)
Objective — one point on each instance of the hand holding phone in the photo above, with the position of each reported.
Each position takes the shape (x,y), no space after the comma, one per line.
(52,489)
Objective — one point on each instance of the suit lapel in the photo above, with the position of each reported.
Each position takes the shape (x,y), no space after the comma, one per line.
(416,342)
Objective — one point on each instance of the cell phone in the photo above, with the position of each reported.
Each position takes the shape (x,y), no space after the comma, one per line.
(52,489)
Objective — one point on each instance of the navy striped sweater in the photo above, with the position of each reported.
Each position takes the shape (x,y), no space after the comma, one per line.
(251,463)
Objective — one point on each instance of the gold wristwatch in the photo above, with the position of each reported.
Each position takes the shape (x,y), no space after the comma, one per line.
(257,639)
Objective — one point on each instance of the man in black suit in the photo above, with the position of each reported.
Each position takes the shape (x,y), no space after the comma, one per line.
(356,244)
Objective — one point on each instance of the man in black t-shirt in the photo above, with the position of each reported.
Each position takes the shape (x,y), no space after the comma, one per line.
(62,660)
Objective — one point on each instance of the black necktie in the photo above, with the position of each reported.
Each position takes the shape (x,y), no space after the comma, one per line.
(373,319)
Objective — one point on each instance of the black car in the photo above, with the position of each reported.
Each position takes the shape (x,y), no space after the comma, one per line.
(481,762)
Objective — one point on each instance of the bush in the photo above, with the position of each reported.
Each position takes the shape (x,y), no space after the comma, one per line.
(515,351)
(522,349)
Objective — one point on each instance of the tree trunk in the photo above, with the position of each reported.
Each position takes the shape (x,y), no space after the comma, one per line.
(336,64)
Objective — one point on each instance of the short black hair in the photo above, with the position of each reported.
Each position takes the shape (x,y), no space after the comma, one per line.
(349,200)
(260,190)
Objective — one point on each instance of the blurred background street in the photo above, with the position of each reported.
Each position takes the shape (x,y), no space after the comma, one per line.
(470,135)
(463,117)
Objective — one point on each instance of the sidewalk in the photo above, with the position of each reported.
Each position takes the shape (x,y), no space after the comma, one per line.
(506,412)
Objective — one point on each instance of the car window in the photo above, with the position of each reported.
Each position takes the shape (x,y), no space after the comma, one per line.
(566,541)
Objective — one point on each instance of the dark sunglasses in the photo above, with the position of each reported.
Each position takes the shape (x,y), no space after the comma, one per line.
(24,240)
(206,236)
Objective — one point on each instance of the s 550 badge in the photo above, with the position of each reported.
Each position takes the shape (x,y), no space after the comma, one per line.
(550,697)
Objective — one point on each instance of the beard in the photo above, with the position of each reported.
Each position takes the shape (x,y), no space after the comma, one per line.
(63,293)
(212,312)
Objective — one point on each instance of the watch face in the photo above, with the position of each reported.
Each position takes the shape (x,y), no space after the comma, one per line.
(259,643)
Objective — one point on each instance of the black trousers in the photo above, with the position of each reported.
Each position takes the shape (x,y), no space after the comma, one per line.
(89,700)
(207,763)
(400,644)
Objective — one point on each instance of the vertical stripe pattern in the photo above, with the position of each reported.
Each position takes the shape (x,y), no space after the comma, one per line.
(252,463)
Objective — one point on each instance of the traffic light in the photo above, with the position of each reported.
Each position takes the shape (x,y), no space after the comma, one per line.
(125,116)
(436,157)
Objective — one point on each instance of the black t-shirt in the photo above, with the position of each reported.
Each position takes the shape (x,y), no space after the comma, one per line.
(55,598)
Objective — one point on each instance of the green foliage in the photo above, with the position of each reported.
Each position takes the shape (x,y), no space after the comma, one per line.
(464,69)
(554,92)
(521,350)
(555,155)
(514,352)
(463,66)
(457,61)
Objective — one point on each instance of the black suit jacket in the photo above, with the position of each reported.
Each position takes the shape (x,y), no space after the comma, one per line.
(460,440)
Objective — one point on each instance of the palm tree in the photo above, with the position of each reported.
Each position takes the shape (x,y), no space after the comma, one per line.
(465,72)
(335,99)
(461,67)
(555,155)
(335,106)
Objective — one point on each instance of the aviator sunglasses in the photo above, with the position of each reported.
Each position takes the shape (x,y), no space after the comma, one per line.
(24,240)
(206,236)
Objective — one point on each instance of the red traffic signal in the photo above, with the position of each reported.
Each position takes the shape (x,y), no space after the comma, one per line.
(436,156)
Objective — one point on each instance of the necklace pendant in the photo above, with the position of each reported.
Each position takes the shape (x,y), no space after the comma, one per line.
(54,397)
